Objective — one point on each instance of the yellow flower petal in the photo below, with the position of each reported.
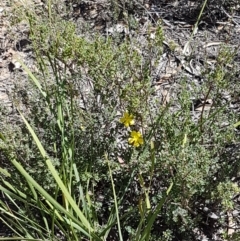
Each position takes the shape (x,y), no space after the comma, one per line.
(136,139)
(127,119)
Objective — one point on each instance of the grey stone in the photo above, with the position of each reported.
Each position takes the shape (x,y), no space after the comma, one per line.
(213,216)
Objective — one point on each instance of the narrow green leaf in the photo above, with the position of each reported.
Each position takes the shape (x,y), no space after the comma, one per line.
(68,196)
(48,197)
(34,79)
(2,137)
(236,124)
(38,143)
(5,172)
(86,224)
(115,200)
(152,216)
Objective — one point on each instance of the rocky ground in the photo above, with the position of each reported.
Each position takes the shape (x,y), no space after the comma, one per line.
(218,25)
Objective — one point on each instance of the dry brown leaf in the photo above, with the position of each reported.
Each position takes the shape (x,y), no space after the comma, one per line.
(165,96)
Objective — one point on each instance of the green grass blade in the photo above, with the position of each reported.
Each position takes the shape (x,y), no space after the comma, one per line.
(80,215)
(152,216)
(68,196)
(48,197)
(21,238)
(82,199)
(5,172)
(6,191)
(115,200)
(236,124)
(34,79)
(38,143)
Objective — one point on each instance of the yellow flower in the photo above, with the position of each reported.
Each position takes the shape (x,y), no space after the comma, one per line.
(127,119)
(136,139)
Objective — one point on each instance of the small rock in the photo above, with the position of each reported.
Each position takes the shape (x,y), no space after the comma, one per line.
(205,209)
(213,216)
(17,65)
(235,213)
